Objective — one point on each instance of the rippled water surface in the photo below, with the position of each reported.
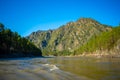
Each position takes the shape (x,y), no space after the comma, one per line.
(60,68)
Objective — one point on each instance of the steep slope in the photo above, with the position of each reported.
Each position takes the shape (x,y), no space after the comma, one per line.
(13,45)
(68,37)
(106,41)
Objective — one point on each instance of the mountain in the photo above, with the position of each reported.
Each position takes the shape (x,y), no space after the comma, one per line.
(67,38)
(12,45)
(106,42)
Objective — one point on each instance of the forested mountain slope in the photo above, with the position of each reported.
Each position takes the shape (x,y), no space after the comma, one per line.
(106,41)
(13,45)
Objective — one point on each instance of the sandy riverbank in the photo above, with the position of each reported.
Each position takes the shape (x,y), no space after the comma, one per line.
(99,54)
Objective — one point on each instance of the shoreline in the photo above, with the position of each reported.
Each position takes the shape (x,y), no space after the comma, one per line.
(96,55)
(100,54)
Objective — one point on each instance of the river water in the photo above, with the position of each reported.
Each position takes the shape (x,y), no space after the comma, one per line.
(60,68)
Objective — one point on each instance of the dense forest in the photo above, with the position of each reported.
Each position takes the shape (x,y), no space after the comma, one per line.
(13,45)
(106,41)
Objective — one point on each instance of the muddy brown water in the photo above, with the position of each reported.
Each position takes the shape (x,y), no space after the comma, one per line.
(60,68)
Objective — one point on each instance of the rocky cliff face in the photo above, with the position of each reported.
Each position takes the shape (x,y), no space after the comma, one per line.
(67,37)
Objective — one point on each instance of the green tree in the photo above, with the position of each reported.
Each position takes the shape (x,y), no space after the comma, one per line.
(13,45)
(1,27)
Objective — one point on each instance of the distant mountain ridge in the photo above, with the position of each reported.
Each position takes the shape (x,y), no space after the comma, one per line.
(67,38)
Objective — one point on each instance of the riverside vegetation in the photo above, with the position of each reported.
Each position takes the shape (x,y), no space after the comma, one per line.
(106,42)
(13,45)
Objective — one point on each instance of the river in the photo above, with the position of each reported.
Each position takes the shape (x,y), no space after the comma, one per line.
(60,68)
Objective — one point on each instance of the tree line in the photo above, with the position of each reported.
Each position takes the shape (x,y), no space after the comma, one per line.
(13,45)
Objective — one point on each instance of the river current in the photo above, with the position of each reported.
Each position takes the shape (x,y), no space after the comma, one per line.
(60,68)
